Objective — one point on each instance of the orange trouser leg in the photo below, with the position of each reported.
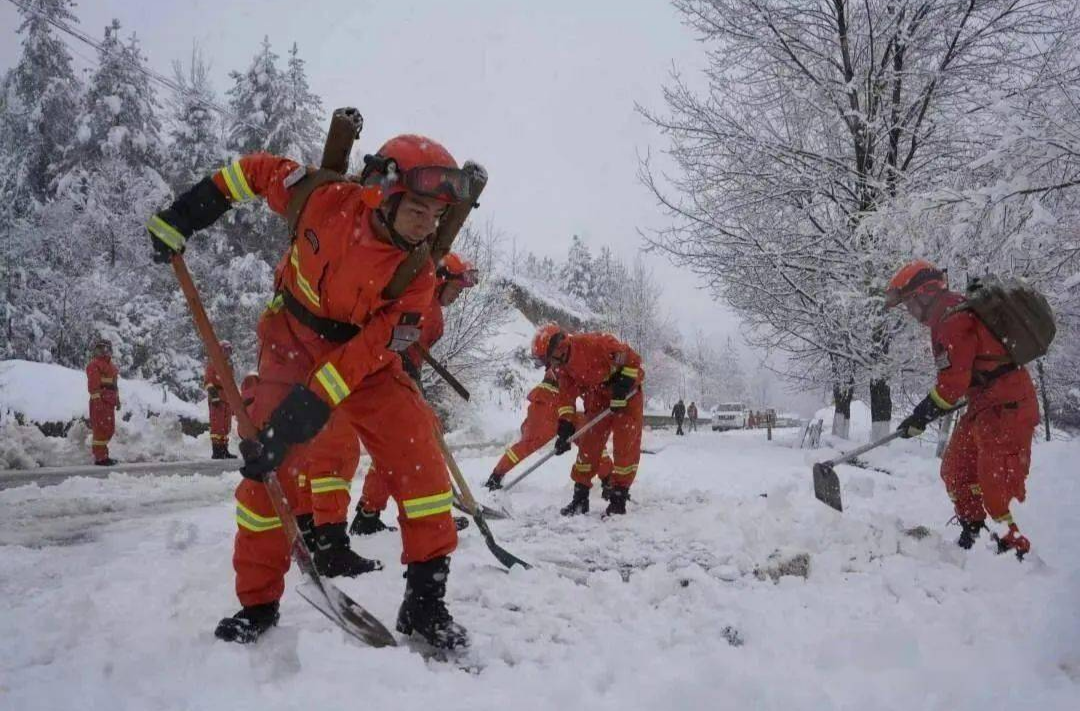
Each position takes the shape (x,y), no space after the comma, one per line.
(398,429)
(1003,439)
(103,427)
(376,490)
(603,470)
(325,471)
(959,471)
(220,423)
(591,446)
(626,426)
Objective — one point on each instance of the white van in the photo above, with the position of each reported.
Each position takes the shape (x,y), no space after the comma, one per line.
(729,416)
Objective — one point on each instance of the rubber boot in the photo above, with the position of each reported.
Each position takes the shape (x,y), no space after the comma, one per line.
(579,504)
(617,501)
(106,462)
(1013,541)
(423,610)
(333,556)
(221,451)
(605,489)
(366,523)
(306,524)
(970,531)
(247,625)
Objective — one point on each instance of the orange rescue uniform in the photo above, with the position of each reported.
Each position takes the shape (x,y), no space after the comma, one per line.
(101,382)
(986,463)
(329,328)
(220,412)
(593,361)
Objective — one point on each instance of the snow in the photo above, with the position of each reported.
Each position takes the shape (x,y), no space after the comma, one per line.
(112,588)
(45,392)
(114,104)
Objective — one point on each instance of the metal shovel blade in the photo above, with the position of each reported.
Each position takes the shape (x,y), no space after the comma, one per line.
(827,485)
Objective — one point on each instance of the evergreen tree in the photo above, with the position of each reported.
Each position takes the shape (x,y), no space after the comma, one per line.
(301,126)
(195,147)
(576,273)
(258,101)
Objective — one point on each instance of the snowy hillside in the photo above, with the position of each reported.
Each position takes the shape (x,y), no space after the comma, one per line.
(114,587)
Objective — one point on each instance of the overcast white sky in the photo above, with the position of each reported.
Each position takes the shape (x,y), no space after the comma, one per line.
(541,93)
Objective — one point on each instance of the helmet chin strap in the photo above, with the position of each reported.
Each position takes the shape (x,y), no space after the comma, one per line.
(388,220)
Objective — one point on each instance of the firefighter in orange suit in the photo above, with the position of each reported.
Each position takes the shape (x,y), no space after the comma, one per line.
(540,425)
(986,463)
(453,276)
(607,374)
(328,346)
(220,412)
(101,382)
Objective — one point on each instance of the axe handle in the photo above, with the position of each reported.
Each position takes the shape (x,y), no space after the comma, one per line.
(443,372)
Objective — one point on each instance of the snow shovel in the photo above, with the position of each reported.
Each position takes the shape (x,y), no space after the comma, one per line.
(322,594)
(585,428)
(504,556)
(827,484)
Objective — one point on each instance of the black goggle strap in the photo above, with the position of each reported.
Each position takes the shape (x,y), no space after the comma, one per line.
(923,277)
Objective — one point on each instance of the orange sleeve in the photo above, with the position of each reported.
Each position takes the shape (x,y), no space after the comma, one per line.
(258,175)
(347,365)
(93,378)
(955,347)
(567,397)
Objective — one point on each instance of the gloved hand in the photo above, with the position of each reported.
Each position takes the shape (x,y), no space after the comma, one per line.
(494,482)
(924,413)
(565,432)
(297,419)
(621,387)
(196,209)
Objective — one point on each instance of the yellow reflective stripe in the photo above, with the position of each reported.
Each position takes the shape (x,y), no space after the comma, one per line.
(327,484)
(95,396)
(332,382)
(618,403)
(233,174)
(976,489)
(511,456)
(581,467)
(107,380)
(304,284)
(940,401)
(566,410)
(275,304)
(549,387)
(99,442)
(1007,518)
(623,471)
(218,438)
(252,521)
(428,505)
(630,372)
(166,233)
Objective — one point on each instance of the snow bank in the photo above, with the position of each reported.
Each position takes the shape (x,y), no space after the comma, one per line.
(45,392)
(860,419)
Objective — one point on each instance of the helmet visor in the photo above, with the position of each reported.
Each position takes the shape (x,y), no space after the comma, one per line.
(447,184)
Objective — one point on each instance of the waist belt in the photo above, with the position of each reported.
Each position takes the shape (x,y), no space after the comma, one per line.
(328,328)
(984,378)
(108,386)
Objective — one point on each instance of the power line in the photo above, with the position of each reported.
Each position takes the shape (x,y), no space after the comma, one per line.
(146,71)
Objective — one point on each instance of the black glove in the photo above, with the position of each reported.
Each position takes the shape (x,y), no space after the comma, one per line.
(297,419)
(565,432)
(196,209)
(924,413)
(494,482)
(621,386)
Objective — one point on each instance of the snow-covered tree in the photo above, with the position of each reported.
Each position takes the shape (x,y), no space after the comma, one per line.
(195,131)
(577,275)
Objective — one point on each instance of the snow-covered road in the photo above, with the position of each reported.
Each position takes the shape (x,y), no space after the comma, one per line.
(111,589)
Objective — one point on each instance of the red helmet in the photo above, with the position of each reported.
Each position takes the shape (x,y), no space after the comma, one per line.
(415,164)
(547,339)
(453,268)
(918,277)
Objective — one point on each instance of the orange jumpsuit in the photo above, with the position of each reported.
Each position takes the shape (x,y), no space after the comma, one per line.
(594,360)
(539,427)
(986,463)
(101,377)
(220,412)
(329,328)
(376,488)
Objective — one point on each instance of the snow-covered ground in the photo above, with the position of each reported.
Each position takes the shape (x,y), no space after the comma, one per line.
(112,588)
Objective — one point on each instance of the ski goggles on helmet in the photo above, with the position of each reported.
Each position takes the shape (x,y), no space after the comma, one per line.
(446,184)
(467,278)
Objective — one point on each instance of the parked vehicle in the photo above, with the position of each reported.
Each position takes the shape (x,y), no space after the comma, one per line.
(729,416)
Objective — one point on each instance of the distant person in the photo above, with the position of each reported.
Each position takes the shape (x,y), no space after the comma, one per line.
(220,413)
(692,413)
(101,377)
(679,413)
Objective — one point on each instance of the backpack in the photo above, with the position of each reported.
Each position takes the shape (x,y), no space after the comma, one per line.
(1018,315)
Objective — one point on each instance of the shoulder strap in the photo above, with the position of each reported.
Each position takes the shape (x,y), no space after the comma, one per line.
(302,190)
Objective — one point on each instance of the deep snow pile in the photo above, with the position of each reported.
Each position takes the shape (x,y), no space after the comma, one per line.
(681,604)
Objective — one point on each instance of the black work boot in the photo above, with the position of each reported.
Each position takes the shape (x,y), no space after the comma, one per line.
(106,462)
(366,523)
(249,624)
(306,524)
(333,556)
(605,489)
(579,504)
(423,610)
(617,500)
(970,531)
(221,451)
